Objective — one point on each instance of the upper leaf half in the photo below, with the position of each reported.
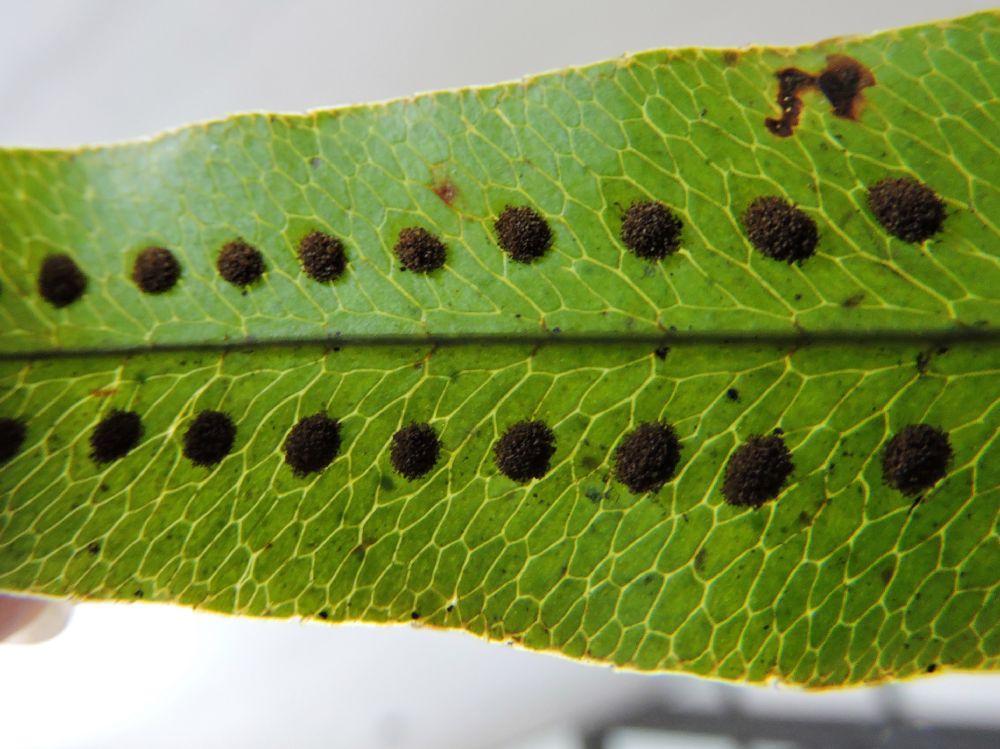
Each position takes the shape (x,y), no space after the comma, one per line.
(686,128)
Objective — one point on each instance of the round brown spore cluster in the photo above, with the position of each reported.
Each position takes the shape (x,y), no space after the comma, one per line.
(322,256)
(115,436)
(757,471)
(414,451)
(916,458)
(906,208)
(522,233)
(209,438)
(60,280)
(240,263)
(12,433)
(419,251)
(779,230)
(155,270)
(647,457)
(524,451)
(312,444)
(651,230)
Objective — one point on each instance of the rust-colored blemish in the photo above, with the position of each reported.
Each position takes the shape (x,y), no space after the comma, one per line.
(841,82)
(730,57)
(854,300)
(103,392)
(445,190)
(791,83)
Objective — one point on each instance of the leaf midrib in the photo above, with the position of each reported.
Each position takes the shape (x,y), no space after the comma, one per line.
(672,338)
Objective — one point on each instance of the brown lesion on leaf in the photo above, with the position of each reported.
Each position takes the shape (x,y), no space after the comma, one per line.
(445,189)
(730,56)
(841,82)
(103,392)
(854,300)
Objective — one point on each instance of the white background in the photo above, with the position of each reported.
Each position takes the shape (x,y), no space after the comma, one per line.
(151,676)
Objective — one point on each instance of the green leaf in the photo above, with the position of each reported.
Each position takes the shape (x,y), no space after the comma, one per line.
(840,579)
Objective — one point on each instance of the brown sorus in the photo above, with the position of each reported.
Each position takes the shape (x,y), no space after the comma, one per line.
(322,256)
(115,436)
(756,471)
(240,263)
(651,230)
(60,280)
(906,208)
(415,449)
(779,230)
(156,270)
(524,451)
(419,250)
(312,444)
(647,457)
(12,433)
(522,233)
(916,458)
(209,438)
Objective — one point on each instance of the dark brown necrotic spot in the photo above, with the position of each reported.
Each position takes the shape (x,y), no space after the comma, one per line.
(209,438)
(756,471)
(647,457)
(312,444)
(524,451)
(419,250)
(240,263)
(156,270)
(522,233)
(415,449)
(322,256)
(651,230)
(115,436)
(906,208)
(12,432)
(916,458)
(779,230)
(791,83)
(841,83)
(60,281)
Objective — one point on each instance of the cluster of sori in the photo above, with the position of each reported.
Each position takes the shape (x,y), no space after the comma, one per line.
(779,230)
(645,459)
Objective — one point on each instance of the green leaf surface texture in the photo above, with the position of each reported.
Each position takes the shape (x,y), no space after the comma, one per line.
(841,579)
